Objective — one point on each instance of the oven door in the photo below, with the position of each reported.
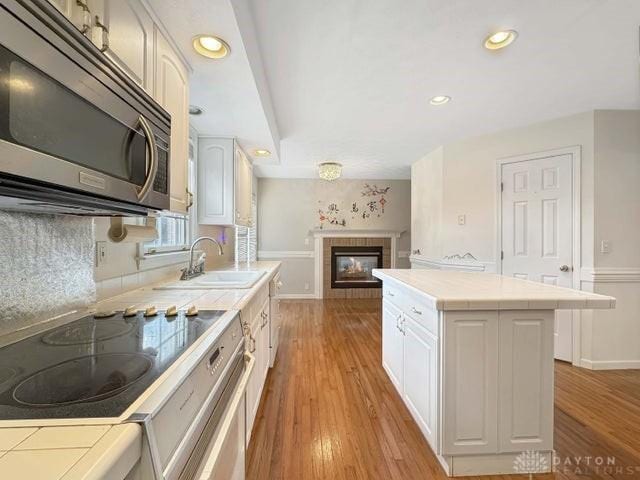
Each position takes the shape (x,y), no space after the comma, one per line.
(61,125)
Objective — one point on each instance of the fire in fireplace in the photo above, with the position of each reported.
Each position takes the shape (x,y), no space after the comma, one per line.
(351,267)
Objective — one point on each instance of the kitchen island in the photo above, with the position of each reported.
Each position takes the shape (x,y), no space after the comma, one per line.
(471,355)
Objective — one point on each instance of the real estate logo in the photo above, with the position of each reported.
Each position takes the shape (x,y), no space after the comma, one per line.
(530,462)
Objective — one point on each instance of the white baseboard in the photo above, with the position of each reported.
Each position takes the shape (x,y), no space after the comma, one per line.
(610,364)
(297,296)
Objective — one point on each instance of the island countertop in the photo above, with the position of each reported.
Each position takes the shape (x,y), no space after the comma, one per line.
(454,290)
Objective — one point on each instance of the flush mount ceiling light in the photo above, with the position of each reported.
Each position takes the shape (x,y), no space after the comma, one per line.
(500,39)
(261,152)
(329,171)
(439,100)
(211,46)
(195,110)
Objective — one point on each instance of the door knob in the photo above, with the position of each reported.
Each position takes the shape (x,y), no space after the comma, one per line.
(564,268)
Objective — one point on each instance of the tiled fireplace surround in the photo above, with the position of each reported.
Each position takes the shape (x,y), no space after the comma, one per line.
(329,242)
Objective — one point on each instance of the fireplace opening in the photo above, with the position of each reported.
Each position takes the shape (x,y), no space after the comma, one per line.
(351,267)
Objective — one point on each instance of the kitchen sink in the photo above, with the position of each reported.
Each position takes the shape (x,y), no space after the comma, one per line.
(221,279)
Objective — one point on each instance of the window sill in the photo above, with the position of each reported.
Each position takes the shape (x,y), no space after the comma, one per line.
(163,259)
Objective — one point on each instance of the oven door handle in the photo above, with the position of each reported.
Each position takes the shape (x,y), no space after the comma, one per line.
(153,159)
(208,464)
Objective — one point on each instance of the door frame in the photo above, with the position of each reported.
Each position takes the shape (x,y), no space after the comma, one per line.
(576,164)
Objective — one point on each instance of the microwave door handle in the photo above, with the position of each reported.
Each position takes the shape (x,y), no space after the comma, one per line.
(153,160)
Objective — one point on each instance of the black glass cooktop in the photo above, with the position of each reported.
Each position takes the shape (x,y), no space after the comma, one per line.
(93,367)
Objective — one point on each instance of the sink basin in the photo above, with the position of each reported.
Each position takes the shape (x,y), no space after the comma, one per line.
(221,279)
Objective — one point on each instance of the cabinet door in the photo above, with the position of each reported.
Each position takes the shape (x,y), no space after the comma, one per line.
(420,377)
(243,188)
(470,382)
(172,92)
(254,385)
(264,366)
(124,31)
(392,340)
(526,380)
(215,181)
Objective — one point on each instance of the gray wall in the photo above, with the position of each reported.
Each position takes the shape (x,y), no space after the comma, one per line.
(288,211)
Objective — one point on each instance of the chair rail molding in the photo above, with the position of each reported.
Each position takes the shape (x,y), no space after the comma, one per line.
(610,275)
(278,254)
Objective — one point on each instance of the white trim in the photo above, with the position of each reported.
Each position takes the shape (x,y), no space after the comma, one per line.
(296,296)
(445,265)
(277,254)
(610,364)
(162,259)
(576,163)
(610,275)
(404,254)
(355,233)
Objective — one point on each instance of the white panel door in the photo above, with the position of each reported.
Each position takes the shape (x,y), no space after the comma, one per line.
(526,380)
(392,343)
(420,377)
(470,382)
(537,229)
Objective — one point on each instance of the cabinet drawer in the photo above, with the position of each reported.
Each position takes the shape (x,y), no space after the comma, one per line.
(421,312)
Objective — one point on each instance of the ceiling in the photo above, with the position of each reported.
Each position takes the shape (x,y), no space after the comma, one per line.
(350,80)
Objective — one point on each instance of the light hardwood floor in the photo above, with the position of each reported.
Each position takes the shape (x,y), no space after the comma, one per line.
(329,410)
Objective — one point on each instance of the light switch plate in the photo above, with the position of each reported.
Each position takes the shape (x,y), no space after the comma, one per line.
(605,246)
(462,219)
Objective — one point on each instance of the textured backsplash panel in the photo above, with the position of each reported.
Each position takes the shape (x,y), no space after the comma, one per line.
(46,267)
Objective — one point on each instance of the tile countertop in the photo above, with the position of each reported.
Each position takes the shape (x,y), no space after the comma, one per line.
(88,452)
(452,290)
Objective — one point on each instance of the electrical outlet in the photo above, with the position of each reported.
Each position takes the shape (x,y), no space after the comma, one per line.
(306,285)
(101,253)
(462,219)
(605,246)
(306,241)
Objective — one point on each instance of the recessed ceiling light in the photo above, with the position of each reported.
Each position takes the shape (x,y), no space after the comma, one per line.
(211,46)
(261,152)
(195,110)
(439,100)
(500,39)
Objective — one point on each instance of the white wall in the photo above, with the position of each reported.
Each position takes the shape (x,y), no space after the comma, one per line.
(465,177)
(288,210)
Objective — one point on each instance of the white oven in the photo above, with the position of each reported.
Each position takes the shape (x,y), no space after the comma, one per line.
(195,430)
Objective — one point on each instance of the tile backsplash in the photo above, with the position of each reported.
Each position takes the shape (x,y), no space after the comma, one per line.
(46,267)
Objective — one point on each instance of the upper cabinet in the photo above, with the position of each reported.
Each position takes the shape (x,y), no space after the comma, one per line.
(225,177)
(172,92)
(125,31)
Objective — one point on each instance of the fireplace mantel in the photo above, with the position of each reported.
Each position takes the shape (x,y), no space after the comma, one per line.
(320,234)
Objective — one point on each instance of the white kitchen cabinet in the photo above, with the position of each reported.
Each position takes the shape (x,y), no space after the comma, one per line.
(225,177)
(392,342)
(420,370)
(172,92)
(78,12)
(124,31)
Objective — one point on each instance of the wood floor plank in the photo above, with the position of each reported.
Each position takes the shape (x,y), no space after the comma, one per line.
(329,411)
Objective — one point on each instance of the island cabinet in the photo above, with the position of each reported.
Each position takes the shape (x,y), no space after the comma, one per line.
(471,356)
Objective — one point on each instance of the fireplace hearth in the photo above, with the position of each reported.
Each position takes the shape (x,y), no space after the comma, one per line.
(351,266)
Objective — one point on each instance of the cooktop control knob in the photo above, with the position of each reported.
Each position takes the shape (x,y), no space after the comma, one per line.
(150,312)
(193,310)
(172,311)
(130,312)
(105,314)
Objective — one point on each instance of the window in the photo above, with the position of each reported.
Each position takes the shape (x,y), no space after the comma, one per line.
(247,237)
(173,235)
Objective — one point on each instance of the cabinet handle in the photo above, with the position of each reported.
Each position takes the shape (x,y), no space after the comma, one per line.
(414,310)
(390,293)
(105,34)
(190,201)
(398,322)
(253,344)
(86,16)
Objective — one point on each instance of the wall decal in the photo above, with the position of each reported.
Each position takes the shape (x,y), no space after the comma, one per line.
(370,204)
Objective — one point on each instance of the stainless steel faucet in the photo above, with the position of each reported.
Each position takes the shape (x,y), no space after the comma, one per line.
(198,269)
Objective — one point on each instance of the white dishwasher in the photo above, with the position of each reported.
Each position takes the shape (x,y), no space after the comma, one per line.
(275,317)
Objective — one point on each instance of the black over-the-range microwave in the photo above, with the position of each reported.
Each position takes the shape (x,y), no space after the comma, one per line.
(77,135)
